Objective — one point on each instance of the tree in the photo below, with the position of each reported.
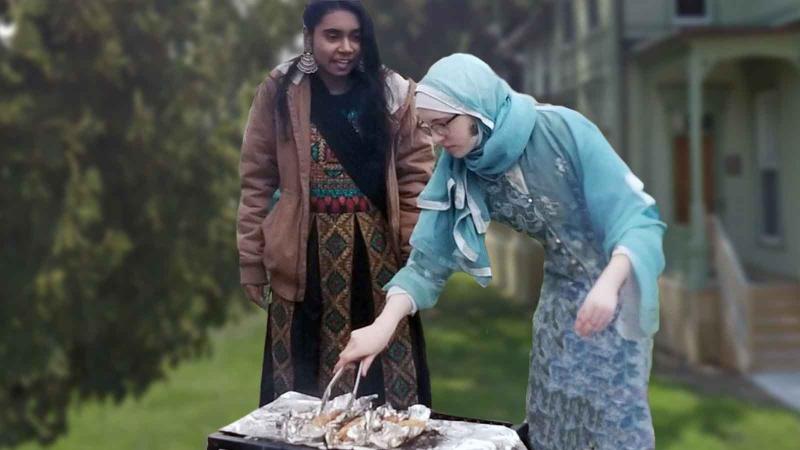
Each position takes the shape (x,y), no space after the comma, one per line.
(120,122)
(415,33)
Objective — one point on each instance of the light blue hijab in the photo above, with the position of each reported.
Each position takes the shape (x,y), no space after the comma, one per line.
(452,225)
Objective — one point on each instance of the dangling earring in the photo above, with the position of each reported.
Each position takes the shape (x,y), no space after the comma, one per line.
(307,64)
(360,66)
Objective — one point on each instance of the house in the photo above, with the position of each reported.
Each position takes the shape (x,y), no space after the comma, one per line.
(702,99)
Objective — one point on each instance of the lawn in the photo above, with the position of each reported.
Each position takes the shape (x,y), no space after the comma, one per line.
(478,352)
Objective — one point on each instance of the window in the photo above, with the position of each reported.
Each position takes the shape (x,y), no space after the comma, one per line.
(766,138)
(546,89)
(691,11)
(567,20)
(593,14)
(691,8)
(770,203)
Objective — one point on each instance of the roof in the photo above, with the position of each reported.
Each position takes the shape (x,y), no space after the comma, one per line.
(685,35)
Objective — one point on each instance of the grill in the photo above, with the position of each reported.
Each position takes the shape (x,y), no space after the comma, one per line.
(222,440)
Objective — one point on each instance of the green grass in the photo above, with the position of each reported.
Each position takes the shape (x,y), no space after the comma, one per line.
(478,352)
(198,397)
(684,419)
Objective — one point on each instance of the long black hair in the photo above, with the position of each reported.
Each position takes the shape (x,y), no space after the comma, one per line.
(374,117)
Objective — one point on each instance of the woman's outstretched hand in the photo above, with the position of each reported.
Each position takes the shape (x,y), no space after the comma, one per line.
(366,343)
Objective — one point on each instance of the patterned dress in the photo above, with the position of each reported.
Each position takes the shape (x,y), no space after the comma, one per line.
(548,172)
(350,258)
(583,393)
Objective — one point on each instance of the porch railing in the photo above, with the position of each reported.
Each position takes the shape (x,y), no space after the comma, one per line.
(675,248)
(735,297)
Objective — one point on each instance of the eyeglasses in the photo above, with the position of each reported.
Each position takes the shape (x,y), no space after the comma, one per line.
(441,129)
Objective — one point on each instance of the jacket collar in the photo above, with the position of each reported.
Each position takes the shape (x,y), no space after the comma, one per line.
(396,86)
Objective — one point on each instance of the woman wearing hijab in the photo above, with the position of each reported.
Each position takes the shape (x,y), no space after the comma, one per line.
(548,172)
(335,132)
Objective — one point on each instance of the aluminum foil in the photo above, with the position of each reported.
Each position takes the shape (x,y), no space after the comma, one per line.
(294,418)
(341,423)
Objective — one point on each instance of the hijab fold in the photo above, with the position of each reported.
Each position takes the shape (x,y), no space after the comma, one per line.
(452,225)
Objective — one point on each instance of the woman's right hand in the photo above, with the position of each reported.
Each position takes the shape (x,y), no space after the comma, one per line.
(366,343)
(255,293)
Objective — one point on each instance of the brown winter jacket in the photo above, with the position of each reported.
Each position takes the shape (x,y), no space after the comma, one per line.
(272,246)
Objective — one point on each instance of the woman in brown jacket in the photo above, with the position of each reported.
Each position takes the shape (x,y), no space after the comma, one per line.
(334,132)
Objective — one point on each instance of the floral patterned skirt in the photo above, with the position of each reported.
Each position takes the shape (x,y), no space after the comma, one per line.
(585,393)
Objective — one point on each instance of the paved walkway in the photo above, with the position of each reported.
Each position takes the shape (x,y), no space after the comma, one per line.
(784,386)
(772,389)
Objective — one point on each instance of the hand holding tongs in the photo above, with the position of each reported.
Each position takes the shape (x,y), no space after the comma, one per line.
(327,394)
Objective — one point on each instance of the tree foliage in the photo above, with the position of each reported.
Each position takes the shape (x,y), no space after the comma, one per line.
(415,33)
(120,122)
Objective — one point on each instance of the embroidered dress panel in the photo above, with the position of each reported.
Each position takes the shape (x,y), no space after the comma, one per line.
(280,327)
(345,290)
(332,189)
(339,207)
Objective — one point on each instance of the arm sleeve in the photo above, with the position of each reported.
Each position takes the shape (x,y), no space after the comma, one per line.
(393,291)
(627,219)
(415,160)
(422,278)
(258,172)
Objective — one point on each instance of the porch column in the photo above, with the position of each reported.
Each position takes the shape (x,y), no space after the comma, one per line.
(698,246)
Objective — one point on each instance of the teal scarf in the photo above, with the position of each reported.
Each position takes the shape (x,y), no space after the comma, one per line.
(452,225)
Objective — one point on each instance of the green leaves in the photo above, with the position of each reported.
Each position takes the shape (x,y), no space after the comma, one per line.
(413,34)
(120,122)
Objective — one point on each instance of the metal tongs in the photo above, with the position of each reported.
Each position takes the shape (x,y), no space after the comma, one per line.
(326,396)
